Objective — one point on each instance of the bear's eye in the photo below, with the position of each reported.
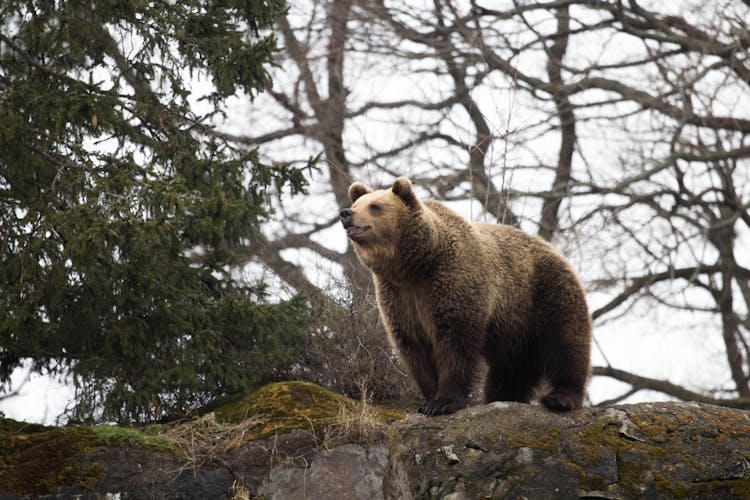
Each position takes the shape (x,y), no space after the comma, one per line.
(375,209)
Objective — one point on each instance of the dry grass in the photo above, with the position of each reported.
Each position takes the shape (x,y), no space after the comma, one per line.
(206,440)
(240,492)
(359,423)
(332,419)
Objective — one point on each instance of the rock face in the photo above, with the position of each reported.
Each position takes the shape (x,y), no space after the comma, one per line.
(349,471)
(510,450)
(501,450)
(288,466)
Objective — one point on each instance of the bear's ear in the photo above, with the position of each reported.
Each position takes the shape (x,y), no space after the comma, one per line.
(356,190)
(402,188)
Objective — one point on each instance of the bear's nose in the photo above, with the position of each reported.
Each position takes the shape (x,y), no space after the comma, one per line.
(346,216)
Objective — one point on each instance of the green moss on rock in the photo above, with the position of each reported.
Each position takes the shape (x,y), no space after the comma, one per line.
(544,440)
(36,459)
(147,437)
(284,406)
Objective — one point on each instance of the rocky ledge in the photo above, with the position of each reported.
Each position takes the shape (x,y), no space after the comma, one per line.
(296,440)
(509,450)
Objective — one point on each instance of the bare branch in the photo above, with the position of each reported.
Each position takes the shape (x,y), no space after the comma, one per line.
(549,218)
(645,383)
(648,101)
(638,284)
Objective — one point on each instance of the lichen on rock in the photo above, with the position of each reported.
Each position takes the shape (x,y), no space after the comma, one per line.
(658,450)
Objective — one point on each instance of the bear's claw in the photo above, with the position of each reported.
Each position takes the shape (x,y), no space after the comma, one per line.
(434,408)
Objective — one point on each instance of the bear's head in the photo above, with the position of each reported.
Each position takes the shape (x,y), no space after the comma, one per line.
(377,218)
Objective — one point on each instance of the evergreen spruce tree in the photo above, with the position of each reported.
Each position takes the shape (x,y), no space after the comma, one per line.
(121,205)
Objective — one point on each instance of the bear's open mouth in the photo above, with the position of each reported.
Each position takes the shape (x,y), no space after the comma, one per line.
(352,231)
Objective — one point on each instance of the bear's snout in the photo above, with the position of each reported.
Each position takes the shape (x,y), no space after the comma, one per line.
(346,217)
(352,230)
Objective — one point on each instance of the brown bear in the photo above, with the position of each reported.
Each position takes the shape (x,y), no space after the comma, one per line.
(451,292)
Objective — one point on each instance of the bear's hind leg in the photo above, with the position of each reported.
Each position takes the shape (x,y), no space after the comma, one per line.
(564,398)
(567,369)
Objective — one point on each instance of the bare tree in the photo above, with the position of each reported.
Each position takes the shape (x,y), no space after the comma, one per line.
(618,129)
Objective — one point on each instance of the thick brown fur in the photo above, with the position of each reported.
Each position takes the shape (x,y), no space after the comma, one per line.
(451,292)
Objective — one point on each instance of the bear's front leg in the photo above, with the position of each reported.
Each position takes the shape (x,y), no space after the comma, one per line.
(449,399)
(456,356)
(416,353)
